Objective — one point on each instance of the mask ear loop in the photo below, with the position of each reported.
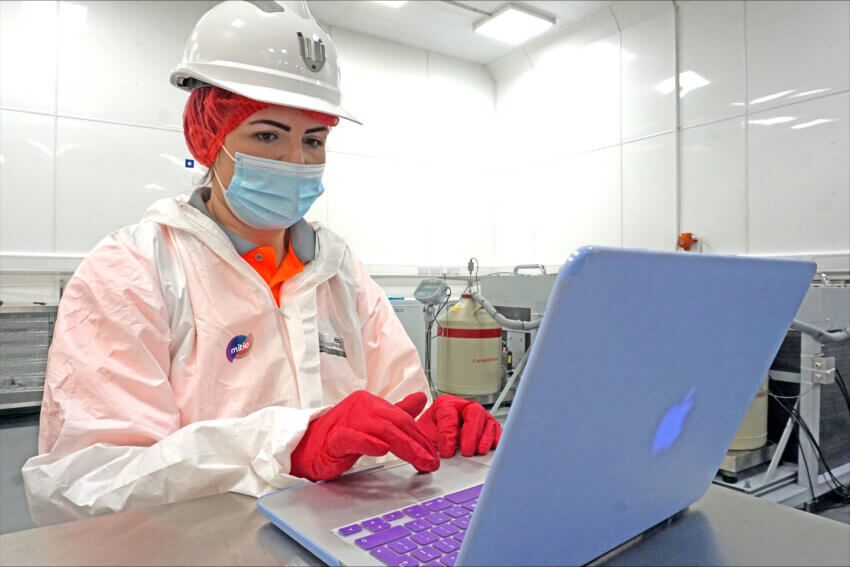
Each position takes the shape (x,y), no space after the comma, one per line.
(216,174)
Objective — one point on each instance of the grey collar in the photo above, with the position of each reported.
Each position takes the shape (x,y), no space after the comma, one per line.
(301,234)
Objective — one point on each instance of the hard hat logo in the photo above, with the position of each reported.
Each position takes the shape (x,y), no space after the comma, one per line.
(312,52)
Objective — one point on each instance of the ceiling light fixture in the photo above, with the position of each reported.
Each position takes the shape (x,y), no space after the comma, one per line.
(514,24)
(391,3)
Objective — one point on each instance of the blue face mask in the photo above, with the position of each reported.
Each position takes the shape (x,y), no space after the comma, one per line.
(270,194)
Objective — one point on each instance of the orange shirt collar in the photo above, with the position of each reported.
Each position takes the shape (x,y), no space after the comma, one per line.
(264,261)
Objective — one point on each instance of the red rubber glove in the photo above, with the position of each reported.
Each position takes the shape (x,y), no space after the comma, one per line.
(441,423)
(363,424)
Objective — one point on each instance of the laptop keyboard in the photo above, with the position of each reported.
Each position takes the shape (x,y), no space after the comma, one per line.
(428,533)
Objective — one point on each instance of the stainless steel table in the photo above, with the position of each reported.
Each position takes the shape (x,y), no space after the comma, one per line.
(723,528)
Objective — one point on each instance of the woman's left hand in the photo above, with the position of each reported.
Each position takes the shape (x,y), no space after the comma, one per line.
(441,423)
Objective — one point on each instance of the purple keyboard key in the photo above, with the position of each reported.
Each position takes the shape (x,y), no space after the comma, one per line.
(459,537)
(444,530)
(447,545)
(464,495)
(348,530)
(470,505)
(436,504)
(372,522)
(449,560)
(437,518)
(415,511)
(417,525)
(376,526)
(425,554)
(461,523)
(382,537)
(402,545)
(432,564)
(393,515)
(424,538)
(392,558)
(456,511)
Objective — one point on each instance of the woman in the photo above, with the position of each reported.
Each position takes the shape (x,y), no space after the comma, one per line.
(223,343)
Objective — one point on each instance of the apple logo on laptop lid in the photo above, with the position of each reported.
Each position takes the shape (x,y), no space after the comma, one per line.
(671,425)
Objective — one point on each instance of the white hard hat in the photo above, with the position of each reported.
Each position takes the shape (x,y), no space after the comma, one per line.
(270,51)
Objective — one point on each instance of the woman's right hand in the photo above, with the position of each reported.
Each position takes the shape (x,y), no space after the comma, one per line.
(363,424)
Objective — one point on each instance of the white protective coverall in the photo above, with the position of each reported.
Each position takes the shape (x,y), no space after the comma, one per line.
(142,404)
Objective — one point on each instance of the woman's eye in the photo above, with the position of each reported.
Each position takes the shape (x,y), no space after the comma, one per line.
(314,142)
(266,137)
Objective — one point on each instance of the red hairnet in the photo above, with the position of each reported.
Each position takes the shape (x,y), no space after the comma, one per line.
(211,113)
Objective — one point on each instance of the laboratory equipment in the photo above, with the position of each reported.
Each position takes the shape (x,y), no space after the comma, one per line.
(752,434)
(25,335)
(670,434)
(469,351)
(433,293)
(521,297)
(803,377)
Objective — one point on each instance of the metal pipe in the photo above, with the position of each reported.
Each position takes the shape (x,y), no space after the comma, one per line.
(427,365)
(510,324)
(780,447)
(514,377)
(820,334)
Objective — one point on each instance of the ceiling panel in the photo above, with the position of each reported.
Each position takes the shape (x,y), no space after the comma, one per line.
(441,27)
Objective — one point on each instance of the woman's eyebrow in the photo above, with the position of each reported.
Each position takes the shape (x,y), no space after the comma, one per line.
(319,129)
(283,127)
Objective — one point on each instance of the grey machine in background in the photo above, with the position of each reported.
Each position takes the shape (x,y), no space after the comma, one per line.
(433,294)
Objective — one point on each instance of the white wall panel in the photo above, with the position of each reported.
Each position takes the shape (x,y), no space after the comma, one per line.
(460,110)
(796,50)
(649,191)
(384,85)
(579,85)
(714,196)
(518,94)
(377,206)
(505,70)
(556,212)
(798,177)
(515,198)
(26,182)
(711,61)
(28,55)
(581,205)
(456,206)
(648,74)
(597,181)
(115,59)
(109,174)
